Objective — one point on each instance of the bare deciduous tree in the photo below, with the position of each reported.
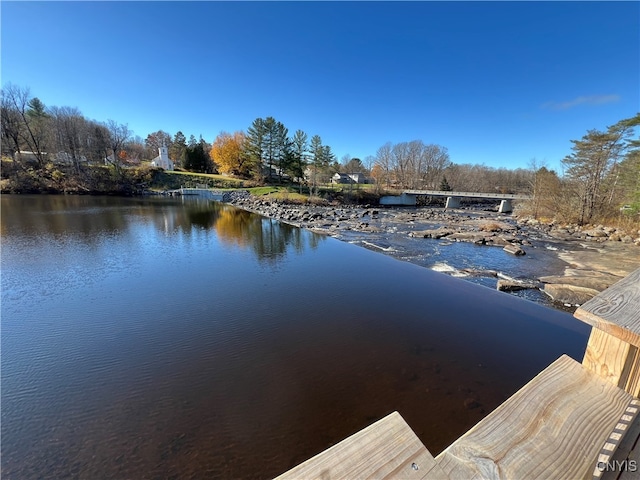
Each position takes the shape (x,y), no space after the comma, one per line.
(119,134)
(30,119)
(412,164)
(70,130)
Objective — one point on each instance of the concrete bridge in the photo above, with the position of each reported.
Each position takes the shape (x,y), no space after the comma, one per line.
(408,197)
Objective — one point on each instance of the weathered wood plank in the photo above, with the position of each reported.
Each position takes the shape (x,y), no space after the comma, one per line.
(633,381)
(616,310)
(554,427)
(386,449)
(613,359)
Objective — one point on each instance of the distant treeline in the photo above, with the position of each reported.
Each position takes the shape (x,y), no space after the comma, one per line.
(601,180)
(601,176)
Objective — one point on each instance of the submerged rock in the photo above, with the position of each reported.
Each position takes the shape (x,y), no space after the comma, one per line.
(472,403)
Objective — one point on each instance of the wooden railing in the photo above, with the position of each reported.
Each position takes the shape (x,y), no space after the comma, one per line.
(612,351)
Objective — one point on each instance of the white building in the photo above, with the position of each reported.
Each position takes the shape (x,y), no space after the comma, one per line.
(350,178)
(162,160)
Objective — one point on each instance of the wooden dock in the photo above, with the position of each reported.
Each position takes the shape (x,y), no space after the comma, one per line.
(572,421)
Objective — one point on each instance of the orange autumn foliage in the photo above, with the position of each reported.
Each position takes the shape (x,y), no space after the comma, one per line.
(227,153)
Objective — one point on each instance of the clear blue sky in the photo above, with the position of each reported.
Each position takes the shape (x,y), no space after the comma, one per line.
(496,83)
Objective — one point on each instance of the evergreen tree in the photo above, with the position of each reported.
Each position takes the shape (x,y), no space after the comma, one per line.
(329,159)
(270,145)
(254,147)
(630,182)
(208,166)
(267,146)
(593,158)
(299,154)
(197,158)
(177,149)
(624,179)
(444,185)
(282,149)
(321,158)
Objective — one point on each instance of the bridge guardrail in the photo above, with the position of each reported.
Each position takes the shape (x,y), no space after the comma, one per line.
(441,193)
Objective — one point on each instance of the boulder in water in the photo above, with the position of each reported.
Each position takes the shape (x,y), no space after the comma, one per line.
(514,249)
(504,285)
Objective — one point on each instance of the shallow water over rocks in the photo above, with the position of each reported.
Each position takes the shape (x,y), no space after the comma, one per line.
(560,259)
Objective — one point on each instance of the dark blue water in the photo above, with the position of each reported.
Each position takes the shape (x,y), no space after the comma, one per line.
(151,338)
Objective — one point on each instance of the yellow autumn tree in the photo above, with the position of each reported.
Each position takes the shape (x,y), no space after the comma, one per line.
(227,153)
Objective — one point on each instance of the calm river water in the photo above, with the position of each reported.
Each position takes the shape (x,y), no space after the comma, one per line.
(151,338)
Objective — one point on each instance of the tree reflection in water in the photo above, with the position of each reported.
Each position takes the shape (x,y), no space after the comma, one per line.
(268,238)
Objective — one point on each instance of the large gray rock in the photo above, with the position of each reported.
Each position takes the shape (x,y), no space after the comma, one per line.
(434,233)
(596,232)
(514,249)
(513,285)
(593,281)
(569,294)
(473,237)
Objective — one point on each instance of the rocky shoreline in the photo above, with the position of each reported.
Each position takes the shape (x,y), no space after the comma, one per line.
(605,254)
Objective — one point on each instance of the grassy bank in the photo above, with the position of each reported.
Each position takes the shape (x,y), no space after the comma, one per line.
(103,179)
(163,180)
(107,180)
(84,180)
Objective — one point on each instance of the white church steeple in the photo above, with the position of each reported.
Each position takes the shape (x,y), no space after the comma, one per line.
(162,160)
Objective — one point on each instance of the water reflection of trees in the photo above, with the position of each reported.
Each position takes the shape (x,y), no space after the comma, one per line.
(183,215)
(90,218)
(61,215)
(200,214)
(268,238)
